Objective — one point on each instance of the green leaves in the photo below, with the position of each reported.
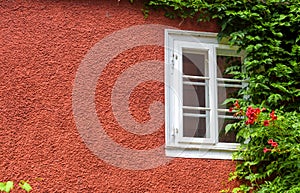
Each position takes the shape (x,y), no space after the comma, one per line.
(269,33)
(9,185)
(182,9)
(252,48)
(6,186)
(274,98)
(270,149)
(280,87)
(25,186)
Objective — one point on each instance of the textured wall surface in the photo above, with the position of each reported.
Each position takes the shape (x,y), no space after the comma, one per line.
(42,46)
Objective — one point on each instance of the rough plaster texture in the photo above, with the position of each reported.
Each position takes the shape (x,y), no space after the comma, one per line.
(42,45)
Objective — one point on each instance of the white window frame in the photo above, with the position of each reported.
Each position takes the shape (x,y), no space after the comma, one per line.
(176,144)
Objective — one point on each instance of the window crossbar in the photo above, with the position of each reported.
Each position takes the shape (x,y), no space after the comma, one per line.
(195,77)
(223,110)
(230,85)
(194,115)
(230,80)
(196,108)
(228,117)
(194,83)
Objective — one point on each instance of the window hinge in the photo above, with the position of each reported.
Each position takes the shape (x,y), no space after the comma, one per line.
(175,131)
(172,64)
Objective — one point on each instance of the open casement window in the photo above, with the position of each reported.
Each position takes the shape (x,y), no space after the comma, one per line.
(195,88)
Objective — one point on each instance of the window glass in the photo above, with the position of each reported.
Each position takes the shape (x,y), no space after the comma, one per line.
(194,62)
(223,120)
(195,89)
(194,127)
(193,95)
(227,88)
(224,62)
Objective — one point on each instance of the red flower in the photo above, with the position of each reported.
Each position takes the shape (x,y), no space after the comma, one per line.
(236,104)
(252,115)
(274,144)
(270,141)
(230,109)
(266,123)
(257,111)
(266,150)
(251,122)
(272,115)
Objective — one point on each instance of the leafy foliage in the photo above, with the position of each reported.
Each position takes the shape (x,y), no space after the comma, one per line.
(268,30)
(6,186)
(269,33)
(183,9)
(9,185)
(25,186)
(270,150)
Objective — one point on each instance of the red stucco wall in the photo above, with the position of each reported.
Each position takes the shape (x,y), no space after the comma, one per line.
(42,46)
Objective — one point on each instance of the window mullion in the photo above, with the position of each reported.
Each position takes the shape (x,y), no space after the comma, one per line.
(212,63)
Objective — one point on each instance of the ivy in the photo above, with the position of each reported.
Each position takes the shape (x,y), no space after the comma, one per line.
(268,30)
(270,148)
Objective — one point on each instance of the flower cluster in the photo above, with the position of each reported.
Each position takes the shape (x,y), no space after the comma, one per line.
(272,115)
(252,115)
(255,115)
(273,143)
(266,122)
(235,106)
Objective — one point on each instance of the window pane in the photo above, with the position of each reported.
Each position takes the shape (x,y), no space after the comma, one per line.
(225,118)
(227,87)
(195,90)
(194,62)
(224,93)
(229,137)
(224,62)
(194,127)
(193,95)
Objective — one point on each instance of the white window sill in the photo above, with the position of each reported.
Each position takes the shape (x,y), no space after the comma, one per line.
(219,151)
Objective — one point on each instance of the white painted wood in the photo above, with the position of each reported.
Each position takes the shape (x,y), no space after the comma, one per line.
(177,42)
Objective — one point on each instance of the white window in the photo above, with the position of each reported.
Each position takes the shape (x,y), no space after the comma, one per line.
(195,88)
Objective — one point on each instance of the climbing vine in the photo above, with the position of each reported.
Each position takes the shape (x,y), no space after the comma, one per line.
(268,31)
